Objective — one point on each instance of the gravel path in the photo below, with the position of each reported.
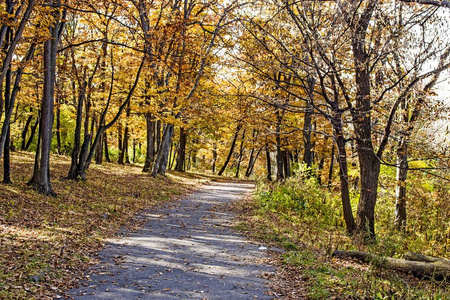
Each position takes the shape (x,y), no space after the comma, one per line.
(185,251)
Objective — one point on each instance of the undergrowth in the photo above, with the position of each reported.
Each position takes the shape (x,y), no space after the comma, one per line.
(305,218)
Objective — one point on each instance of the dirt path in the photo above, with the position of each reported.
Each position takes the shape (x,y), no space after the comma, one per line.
(185,251)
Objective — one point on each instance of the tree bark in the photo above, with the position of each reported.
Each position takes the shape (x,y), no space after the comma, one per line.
(241,154)
(6,155)
(160,165)
(41,182)
(25,131)
(33,131)
(437,269)
(105,141)
(330,171)
(74,165)
(230,153)
(369,163)
(58,125)
(214,157)
(307,124)
(181,158)
(252,161)
(150,154)
(268,163)
(343,174)
(120,145)
(400,189)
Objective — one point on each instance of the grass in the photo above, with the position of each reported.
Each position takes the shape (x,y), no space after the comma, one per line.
(46,243)
(305,219)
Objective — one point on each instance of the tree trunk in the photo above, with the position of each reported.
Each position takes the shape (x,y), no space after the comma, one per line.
(252,162)
(330,171)
(343,174)
(230,153)
(268,163)
(58,125)
(370,171)
(120,160)
(214,157)
(126,138)
(150,154)
(6,155)
(437,269)
(99,148)
(369,162)
(241,154)
(33,130)
(74,166)
(7,159)
(286,164)
(25,131)
(41,182)
(158,136)
(160,165)
(307,125)
(180,166)
(400,189)
(105,141)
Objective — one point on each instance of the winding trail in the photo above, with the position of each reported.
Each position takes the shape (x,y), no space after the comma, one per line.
(187,250)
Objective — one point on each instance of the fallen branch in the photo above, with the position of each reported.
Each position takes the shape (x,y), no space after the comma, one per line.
(438,268)
(425,258)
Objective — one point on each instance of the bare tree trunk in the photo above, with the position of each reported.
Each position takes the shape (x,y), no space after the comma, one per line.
(58,125)
(252,162)
(180,166)
(343,174)
(160,165)
(33,130)
(105,140)
(25,130)
(74,166)
(7,159)
(286,164)
(41,182)
(120,160)
(330,172)
(230,153)
(126,138)
(99,148)
(158,136)
(214,157)
(6,155)
(150,154)
(307,128)
(268,163)
(400,189)
(241,154)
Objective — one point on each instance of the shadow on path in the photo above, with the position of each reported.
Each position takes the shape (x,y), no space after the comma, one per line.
(185,251)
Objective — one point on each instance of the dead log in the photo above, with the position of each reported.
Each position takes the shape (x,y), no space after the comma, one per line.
(424,269)
(425,258)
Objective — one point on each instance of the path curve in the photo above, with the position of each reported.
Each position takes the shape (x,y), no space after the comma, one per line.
(186,250)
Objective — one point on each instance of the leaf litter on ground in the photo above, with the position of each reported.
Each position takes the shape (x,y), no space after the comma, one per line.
(46,243)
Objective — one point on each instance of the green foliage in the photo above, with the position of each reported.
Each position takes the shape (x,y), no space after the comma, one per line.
(305,218)
(300,197)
